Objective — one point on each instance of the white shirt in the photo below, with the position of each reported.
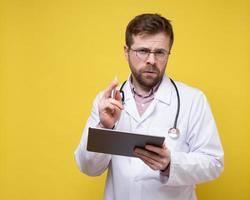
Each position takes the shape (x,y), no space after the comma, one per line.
(196,156)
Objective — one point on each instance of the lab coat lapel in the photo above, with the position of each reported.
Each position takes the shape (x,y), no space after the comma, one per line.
(163,94)
(148,111)
(164,91)
(130,106)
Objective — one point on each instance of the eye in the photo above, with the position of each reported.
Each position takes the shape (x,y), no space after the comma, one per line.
(143,51)
(160,53)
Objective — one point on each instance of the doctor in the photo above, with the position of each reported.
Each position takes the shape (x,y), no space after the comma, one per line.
(169,172)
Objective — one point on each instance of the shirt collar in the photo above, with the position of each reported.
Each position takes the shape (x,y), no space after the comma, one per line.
(150,94)
(162,94)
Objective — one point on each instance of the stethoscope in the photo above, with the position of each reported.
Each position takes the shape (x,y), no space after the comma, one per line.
(173,132)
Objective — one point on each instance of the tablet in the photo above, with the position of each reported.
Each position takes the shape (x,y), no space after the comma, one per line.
(119,143)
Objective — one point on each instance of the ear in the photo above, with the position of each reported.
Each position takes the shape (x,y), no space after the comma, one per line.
(126,51)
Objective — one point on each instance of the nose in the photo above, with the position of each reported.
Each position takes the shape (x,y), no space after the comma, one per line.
(151,58)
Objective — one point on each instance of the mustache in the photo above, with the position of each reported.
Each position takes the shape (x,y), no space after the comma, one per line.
(151,68)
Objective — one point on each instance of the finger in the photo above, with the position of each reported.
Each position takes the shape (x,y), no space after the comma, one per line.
(112,86)
(151,155)
(118,96)
(151,166)
(159,164)
(116,103)
(150,162)
(110,107)
(162,151)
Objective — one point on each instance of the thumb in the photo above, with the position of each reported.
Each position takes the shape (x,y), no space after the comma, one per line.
(108,91)
(118,96)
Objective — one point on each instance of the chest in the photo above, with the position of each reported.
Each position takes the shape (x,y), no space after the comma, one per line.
(157,120)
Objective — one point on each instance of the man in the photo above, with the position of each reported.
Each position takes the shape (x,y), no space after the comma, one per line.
(192,156)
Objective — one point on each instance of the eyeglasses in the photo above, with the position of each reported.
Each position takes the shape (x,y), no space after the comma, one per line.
(143,53)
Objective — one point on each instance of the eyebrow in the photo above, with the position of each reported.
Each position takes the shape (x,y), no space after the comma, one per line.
(157,49)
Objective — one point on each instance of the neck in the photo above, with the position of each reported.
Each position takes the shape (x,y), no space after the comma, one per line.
(141,89)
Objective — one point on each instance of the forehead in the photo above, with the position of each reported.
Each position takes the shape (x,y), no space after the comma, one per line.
(155,41)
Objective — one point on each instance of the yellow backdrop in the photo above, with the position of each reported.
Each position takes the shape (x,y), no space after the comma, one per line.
(56,55)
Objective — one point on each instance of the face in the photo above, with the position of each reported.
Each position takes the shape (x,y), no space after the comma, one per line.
(148,72)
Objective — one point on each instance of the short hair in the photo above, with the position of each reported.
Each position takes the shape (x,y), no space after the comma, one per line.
(148,24)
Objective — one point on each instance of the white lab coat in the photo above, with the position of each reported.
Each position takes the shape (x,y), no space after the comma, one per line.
(196,156)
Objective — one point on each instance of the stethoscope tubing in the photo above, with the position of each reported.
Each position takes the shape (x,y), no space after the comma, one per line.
(178,104)
(174,128)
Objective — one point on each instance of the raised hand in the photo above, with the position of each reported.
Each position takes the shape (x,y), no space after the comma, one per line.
(110,108)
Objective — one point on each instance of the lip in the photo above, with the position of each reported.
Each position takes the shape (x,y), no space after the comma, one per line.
(150,72)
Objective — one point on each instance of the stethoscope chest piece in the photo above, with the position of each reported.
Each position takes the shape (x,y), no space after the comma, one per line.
(174,133)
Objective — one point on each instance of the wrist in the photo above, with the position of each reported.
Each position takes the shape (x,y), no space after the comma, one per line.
(167,168)
(100,125)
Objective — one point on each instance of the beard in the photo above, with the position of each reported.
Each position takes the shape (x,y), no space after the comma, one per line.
(148,77)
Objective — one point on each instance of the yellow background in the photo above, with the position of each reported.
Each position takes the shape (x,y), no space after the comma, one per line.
(56,55)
